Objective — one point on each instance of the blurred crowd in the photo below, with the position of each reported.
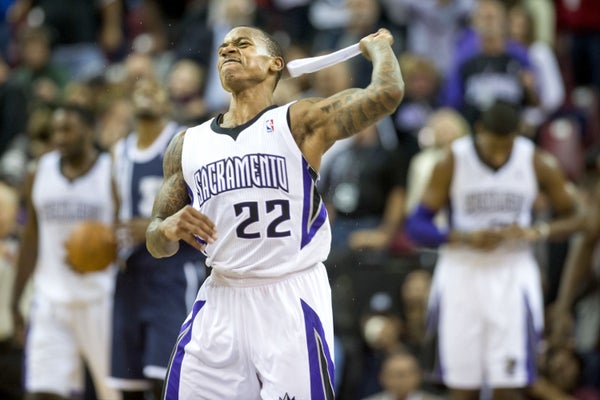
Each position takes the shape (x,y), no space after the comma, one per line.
(93,52)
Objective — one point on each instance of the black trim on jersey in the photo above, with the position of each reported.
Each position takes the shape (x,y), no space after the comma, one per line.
(236,130)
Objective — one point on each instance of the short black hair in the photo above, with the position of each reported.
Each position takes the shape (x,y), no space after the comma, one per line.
(274,49)
(501,118)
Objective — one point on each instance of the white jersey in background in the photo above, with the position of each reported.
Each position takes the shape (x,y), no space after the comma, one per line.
(60,204)
(272,209)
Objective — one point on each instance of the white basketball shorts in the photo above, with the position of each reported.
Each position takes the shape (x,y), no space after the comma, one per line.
(60,337)
(489,318)
(267,340)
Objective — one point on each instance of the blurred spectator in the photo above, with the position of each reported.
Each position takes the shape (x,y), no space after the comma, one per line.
(400,378)
(488,66)
(201,39)
(442,127)
(364,189)
(5,33)
(580,21)
(414,294)
(545,64)
(290,17)
(115,121)
(82,32)
(29,146)
(382,333)
(185,84)
(13,108)
(364,16)
(561,372)
(42,80)
(433,27)
(10,355)
(420,100)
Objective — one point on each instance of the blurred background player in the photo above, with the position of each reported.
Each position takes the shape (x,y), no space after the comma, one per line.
(69,320)
(486,295)
(152,297)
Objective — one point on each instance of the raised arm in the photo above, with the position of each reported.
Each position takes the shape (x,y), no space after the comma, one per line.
(173,219)
(317,123)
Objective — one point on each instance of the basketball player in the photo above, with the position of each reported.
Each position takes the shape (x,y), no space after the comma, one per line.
(262,325)
(486,298)
(152,297)
(69,320)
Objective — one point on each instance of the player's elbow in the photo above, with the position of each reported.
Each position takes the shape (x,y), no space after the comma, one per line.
(421,229)
(394,93)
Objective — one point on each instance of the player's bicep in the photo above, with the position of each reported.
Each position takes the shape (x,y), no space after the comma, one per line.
(561,193)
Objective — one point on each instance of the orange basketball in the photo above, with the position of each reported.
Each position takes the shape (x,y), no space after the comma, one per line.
(91,246)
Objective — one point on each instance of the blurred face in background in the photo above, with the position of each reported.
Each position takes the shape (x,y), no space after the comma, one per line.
(400,375)
(70,135)
(489,19)
(149,99)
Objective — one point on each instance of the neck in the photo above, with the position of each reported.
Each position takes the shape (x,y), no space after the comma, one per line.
(72,167)
(148,130)
(246,105)
(492,45)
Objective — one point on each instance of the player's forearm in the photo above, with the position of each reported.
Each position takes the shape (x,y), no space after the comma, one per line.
(25,267)
(157,243)
(386,89)
(576,271)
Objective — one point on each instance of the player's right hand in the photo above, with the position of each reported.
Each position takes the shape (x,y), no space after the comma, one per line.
(189,225)
(381,34)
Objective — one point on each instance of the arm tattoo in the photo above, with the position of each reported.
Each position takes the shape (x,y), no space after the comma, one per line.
(173,193)
(355,109)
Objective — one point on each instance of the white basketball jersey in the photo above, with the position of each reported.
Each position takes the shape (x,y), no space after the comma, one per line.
(482,197)
(253,182)
(60,204)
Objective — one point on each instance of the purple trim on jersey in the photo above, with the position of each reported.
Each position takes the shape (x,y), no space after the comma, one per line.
(310,227)
(322,372)
(532,342)
(190,193)
(174,371)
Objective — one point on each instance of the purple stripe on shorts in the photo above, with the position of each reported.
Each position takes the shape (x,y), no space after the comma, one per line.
(532,343)
(174,372)
(321,366)
(432,337)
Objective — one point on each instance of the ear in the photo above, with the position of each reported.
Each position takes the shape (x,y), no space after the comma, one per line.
(277,64)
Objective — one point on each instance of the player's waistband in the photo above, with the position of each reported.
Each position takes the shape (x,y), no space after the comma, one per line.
(219,278)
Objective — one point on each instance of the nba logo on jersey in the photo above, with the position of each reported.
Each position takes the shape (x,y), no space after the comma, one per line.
(270,125)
